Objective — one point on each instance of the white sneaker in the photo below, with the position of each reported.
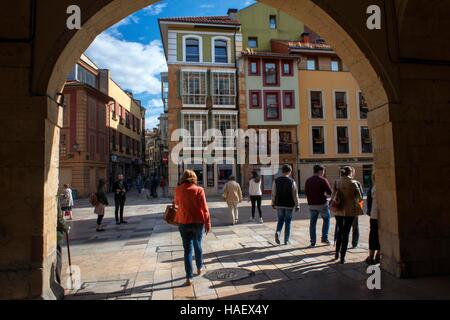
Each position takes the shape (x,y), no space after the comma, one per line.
(261,220)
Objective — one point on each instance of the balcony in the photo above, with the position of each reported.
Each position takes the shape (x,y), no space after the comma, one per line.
(341,105)
(343,140)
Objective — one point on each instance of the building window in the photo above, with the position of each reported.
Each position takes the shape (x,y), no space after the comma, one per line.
(285,143)
(343,140)
(340,101)
(311,63)
(120,142)
(273,22)
(121,120)
(127,119)
(287,68)
(336,65)
(220,51)
(196,124)
(252,42)
(113,140)
(138,125)
(127,141)
(223,88)
(85,76)
(192,50)
(367,175)
(363,108)
(316,105)
(227,124)
(253,68)
(255,99)
(272,106)
(113,110)
(318,141)
(366,140)
(271,74)
(92,147)
(289,99)
(194,88)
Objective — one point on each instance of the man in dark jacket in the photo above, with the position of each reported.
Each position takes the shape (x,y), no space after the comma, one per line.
(120,189)
(284,200)
(317,188)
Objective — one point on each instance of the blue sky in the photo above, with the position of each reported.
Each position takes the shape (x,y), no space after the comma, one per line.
(132,48)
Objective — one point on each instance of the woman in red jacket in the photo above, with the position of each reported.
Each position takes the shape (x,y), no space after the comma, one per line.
(192,216)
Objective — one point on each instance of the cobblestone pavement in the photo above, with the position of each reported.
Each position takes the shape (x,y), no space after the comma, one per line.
(144,259)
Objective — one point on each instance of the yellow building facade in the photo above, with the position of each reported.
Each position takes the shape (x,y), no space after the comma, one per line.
(333,129)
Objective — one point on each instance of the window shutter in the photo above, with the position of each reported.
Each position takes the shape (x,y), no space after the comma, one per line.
(180,84)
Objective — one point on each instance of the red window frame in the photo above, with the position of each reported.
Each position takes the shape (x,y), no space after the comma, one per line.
(277,94)
(277,70)
(258,67)
(292,94)
(251,105)
(291,68)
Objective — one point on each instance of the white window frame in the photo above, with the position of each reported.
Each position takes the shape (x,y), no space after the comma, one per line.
(231,72)
(311,148)
(183,71)
(360,140)
(200,47)
(202,113)
(217,114)
(213,49)
(323,105)
(349,134)
(347,101)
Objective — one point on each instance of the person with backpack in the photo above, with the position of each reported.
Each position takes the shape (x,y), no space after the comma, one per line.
(67,201)
(232,194)
(102,202)
(255,193)
(120,189)
(346,197)
(193,218)
(285,200)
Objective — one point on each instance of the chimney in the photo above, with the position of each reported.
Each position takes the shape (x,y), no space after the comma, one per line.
(305,37)
(232,14)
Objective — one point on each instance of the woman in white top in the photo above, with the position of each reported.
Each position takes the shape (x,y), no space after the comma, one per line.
(67,201)
(255,195)
(374,240)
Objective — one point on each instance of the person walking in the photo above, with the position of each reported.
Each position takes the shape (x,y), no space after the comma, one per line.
(155,184)
(148,187)
(102,203)
(67,201)
(285,200)
(193,217)
(355,224)
(346,191)
(255,194)
(372,211)
(317,188)
(232,194)
(139,183)
(162,184)
(120,196)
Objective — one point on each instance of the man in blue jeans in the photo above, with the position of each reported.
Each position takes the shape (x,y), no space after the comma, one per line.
(285,201)
(317,188)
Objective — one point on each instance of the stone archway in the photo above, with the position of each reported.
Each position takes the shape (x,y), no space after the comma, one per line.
(37,53)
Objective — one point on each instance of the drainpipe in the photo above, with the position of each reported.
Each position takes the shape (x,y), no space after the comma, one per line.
(239,176)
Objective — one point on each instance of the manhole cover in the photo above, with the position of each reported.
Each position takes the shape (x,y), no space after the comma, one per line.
(228,274)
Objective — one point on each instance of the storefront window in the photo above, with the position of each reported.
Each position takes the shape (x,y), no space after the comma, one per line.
(224,171)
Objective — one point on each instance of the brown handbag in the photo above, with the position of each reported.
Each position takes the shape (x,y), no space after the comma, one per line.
(170,215)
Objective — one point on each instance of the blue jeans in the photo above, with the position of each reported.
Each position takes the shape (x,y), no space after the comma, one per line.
(285,218)
(325,214)
(192,234)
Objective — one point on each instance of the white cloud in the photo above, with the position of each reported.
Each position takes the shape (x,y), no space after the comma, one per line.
(207,6)
(134,66)
(249,2)
(155,9)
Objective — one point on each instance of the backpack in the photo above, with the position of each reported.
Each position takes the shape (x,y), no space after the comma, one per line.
(93,199)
